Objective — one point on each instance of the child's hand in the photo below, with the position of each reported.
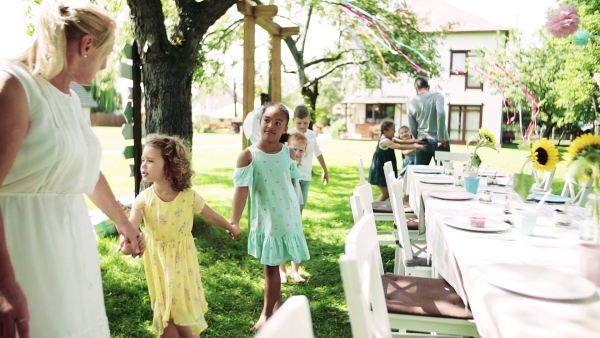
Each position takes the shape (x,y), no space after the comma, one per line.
(235,231)
(325,177)
(127,248)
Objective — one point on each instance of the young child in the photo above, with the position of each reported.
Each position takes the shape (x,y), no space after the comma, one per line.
(298,143)
(265,170)
(407,154)
(302,120)
(170,261)
(385,152)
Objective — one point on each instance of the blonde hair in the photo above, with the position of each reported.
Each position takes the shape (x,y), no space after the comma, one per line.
(298,137)
(62,21)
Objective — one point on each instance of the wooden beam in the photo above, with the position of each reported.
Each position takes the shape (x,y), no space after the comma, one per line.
(289,31)
(265,11)
(275,68)
(248,96)
(269,25)
(244,7)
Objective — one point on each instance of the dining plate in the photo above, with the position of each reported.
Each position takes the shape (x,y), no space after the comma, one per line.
(538,281)
(462,222)
(437,180)
(427,171)
(452,195)
(552,198)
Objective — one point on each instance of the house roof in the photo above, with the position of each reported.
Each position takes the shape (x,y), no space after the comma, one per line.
(439,14)
(84,97)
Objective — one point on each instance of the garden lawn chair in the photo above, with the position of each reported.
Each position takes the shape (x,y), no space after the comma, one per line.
(441,156)
(579,198)
(406,303)
(361,170)
(291,320)
(411,259)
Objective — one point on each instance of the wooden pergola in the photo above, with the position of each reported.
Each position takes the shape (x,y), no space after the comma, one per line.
(263,16)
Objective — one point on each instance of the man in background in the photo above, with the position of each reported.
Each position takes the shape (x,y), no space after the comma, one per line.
(427,118)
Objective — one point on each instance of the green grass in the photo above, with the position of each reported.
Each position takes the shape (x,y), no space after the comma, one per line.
(233,280)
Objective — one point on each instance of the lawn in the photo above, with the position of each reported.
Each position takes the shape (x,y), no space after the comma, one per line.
(233,281)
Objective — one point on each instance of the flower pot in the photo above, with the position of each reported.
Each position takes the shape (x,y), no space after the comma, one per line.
(589,262)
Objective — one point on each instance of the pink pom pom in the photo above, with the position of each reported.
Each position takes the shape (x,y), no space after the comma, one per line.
(597,78)
(563,21)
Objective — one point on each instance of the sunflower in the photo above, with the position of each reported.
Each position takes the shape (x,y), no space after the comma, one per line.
(487,134)
(544,155)
(581,146)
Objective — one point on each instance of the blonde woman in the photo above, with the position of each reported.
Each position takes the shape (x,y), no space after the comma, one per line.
(50,283)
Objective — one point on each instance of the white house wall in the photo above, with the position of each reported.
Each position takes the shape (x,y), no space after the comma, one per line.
(453,87)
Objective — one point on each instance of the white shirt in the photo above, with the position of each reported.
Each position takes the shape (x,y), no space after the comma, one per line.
(312,149)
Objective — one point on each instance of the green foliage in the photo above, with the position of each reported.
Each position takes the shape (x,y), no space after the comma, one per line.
(555,71)
(104,92)
(337,127)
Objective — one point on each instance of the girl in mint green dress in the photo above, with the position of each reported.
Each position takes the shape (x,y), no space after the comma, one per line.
(265,171)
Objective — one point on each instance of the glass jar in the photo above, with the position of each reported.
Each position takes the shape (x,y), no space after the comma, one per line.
(590,226)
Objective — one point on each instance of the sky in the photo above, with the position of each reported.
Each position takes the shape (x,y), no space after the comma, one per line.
(525,15)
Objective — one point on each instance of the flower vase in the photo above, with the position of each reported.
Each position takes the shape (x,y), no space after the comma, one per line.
(589,231)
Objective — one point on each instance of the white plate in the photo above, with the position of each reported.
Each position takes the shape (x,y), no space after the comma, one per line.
(538,281)
(552,198)
(427,171)
(452,195)
(462,222)
(437,180)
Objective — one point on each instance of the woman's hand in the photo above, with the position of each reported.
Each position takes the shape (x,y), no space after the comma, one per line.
(14,313)
(126,248)
(132,237)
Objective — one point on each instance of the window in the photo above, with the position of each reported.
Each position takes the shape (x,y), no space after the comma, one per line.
(464,122)
(377,113)
(458,66)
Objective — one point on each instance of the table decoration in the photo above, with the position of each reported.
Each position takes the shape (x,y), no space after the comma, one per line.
(544,156)
(483,139)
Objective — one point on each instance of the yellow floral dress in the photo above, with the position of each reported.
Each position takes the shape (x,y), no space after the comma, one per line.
(171,261)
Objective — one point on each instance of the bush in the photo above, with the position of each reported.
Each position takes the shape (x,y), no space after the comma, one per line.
(337,127)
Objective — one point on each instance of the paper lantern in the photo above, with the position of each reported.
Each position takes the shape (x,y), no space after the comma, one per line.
(563,21)
(581,37)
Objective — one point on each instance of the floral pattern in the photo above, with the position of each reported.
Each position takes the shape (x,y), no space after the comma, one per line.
(172,270)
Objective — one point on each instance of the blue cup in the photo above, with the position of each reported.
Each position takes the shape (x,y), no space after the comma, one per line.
(471,184)
(525,221)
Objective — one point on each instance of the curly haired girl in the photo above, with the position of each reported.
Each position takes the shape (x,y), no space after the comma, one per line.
(171,263)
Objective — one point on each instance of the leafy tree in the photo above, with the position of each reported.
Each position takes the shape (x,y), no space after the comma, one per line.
(104,93)
(547,70)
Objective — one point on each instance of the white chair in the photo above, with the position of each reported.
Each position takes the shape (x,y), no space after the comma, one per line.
(441,156)
(410,257)
(291,320)
(579,198)
(381,210)
(406,303)
(545,183)
(361,170)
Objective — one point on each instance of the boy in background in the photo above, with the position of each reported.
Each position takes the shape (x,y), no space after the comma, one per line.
(301,121)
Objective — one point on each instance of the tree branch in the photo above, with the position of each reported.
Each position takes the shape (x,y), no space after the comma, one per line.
(288,71)
(326,59)
(332,69)
(310,9)
(225,32)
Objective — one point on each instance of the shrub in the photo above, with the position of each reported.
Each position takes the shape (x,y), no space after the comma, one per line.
(337,127)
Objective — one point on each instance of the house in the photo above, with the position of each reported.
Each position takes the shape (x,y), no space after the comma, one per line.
(469,103)
(87,102)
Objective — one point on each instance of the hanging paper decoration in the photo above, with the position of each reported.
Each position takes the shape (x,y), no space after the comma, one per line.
(581,37)
(370,19)
(563,21)
(597,78)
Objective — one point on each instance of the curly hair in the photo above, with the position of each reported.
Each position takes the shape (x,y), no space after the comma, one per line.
(178,169)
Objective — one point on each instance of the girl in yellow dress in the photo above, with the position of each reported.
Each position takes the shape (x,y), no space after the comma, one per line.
(170,260)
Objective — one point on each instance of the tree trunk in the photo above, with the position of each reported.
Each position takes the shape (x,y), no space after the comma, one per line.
(169,63)
(310,95)
(168,95)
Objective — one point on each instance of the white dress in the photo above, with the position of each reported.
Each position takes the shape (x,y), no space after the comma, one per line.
(49,234)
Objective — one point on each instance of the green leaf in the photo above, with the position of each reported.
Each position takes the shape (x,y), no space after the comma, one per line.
(475,161)
(523,183)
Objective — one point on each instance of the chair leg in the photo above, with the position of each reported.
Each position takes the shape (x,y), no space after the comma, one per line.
(398,261)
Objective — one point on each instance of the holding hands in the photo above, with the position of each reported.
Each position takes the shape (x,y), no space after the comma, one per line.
(234,230)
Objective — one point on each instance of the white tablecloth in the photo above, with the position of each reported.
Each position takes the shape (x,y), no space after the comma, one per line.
(461,258)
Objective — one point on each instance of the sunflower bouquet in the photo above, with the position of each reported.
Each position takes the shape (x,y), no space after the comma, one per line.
(583,160)
(543,155)
(483,139)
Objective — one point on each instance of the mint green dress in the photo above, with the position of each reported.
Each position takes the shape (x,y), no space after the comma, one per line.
(276,234)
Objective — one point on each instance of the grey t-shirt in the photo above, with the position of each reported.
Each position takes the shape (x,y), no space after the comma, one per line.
(427,117)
